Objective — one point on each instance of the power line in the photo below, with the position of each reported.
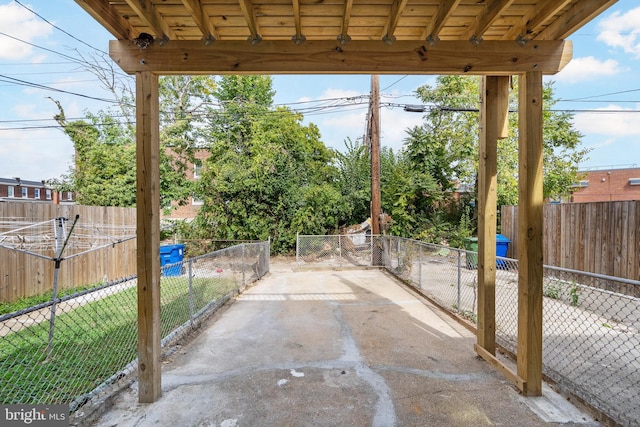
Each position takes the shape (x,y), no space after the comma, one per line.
(7,79)
(60,29)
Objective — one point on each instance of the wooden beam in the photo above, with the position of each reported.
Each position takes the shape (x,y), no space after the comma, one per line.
(530,255)
(103,12)
(512,377)
(356,57)
(250,18)
(494,112)
(571,21)
(343,37)
(493,10)
(446,8)
(146,11)
(392,23)
(534,20)
(148,236)
(194,7)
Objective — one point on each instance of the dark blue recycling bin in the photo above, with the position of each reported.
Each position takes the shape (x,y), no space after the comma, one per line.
(502,246)
(169,256)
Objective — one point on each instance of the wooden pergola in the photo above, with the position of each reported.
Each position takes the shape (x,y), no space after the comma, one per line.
(492,38)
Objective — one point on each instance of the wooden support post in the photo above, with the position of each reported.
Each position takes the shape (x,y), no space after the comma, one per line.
(148,236)
(530,199)
(493,125)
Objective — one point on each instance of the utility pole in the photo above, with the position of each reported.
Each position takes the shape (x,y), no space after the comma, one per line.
(374,132)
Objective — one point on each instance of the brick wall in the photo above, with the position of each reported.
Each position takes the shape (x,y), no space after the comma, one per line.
(608,185)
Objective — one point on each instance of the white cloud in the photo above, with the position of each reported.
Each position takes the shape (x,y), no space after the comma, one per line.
(609,121)
(587,68)
(622,30)
(18,22)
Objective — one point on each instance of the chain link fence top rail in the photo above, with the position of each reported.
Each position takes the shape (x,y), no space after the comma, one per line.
(74,348)
(591,338)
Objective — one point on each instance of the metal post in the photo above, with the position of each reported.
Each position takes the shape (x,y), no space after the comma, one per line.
(459,279)
(191,290)
(297,247)
(420,265)
(373,236)
(243,264)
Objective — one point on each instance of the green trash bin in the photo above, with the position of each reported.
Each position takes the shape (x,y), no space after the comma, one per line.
(471,244)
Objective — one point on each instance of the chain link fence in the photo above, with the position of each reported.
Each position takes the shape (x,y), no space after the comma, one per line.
(71,349)
(591,339)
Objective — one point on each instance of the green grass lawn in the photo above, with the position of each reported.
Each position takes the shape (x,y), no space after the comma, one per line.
(91,343)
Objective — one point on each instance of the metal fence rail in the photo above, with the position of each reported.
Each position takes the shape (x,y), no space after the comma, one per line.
(71,349)
(591,335)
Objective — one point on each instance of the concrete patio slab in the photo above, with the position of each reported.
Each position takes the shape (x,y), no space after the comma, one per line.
(334,348)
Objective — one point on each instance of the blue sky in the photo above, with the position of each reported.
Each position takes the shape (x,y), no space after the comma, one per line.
(602,84)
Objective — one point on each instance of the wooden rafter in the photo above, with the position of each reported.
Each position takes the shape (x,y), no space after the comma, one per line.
(493,10)
(536,18)
(358,57)
(298,37)
(394,17)
(148,13)
(194,7)
(446,8)
(343,37)
(250,17)
(577,16)
(103,12)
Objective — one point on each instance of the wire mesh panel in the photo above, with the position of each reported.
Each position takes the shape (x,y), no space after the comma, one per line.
(70,349)
(335,250)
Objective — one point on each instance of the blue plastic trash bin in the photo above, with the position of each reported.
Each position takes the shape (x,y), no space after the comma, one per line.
(171,259)
(502,246)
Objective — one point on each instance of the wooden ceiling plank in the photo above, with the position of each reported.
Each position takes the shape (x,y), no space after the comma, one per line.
(574,18)
(446,8)
(343,37)
(250,18)
(492,57)
(535,18)
(194,7)
(492,11)
(392,23)
(147,12)
(103,12)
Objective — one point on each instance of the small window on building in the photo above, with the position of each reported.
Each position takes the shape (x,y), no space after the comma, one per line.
(196,202)
(69,195)
(25,192)
(11,191)
(634,181)
(197,169)
(48,194)
(581,184)
(36,193)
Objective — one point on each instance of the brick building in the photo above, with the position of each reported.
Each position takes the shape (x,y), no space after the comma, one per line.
(25,190)
(605,185)
(190,209)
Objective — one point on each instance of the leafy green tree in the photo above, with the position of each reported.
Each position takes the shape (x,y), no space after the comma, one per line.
(354,181)
(268,175)
(446,145)
(103,173)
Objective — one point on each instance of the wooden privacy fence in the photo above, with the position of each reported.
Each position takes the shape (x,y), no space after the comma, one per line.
(601,237)
(23,275)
